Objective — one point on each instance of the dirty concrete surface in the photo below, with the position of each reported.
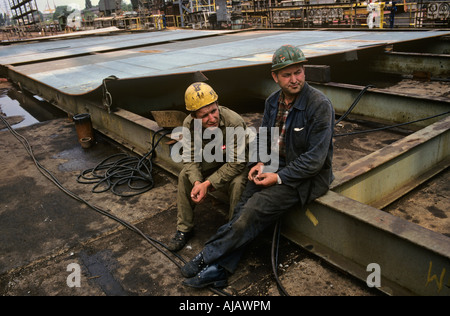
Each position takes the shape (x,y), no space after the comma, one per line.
(44,231)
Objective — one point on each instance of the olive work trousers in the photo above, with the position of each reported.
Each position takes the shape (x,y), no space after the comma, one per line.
(185,215)
(258,209)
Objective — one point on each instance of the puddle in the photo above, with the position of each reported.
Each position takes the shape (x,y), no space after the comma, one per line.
(10,107)
(101,267)
(24,109)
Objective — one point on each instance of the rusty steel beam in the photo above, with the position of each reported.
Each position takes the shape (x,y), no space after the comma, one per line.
(136,133)
(384,105)
(351,235)
(402,63)
(381,177)
(132,130)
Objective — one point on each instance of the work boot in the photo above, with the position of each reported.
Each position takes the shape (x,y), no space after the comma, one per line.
(179,240)
(194,266)
(213,275)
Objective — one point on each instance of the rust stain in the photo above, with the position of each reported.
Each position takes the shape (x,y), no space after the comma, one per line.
(151,51)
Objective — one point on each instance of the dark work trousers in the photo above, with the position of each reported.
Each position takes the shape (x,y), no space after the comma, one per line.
(258,208)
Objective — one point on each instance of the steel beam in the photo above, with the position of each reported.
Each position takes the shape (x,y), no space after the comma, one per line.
(437,65)
(133,131)
(384,105)
(136,133)
(351,235)
(381,177)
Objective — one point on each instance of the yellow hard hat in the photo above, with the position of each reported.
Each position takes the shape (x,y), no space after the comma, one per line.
(198,95)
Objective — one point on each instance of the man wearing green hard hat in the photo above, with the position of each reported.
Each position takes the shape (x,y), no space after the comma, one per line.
(302,120)
(287,55)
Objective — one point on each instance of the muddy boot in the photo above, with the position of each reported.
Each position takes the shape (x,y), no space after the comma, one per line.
(213,275)
(179,240)
(194,266)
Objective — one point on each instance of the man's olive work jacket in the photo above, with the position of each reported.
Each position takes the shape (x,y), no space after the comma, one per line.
(228,168)
(309,142)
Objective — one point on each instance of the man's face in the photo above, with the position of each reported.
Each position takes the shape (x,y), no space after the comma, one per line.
(209,115)
(290,79)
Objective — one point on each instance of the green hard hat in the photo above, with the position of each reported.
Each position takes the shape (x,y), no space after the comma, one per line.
(285,56)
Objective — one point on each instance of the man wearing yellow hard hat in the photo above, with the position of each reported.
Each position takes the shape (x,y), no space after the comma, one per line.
(199,177)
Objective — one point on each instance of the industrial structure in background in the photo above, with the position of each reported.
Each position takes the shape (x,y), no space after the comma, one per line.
(24,11)
(237,14)
(24,15)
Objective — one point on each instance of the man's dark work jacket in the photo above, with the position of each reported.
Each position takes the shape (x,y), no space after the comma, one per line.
(309,142)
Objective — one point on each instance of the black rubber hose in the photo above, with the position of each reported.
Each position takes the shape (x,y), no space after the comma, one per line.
(120,169)
(392,126)
(355,102)
(274,257)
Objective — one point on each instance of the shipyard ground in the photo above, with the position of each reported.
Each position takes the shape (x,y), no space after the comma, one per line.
(44,230)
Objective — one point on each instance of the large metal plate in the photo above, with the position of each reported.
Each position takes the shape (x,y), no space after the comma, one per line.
(79,75)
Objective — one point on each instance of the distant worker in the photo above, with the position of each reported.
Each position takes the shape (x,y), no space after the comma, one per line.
(198,177)
(371,16)
(393,10)
(304,117)
(164,21)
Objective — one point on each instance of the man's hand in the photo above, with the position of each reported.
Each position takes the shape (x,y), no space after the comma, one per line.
(266,179)
(255,171)
(199,191)
(263,179)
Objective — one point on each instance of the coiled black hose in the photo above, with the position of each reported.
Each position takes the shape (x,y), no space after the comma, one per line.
(122,169)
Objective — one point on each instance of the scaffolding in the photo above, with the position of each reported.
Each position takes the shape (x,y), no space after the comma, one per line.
(234,14)
(24,12)
(196,13)
(347,13)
